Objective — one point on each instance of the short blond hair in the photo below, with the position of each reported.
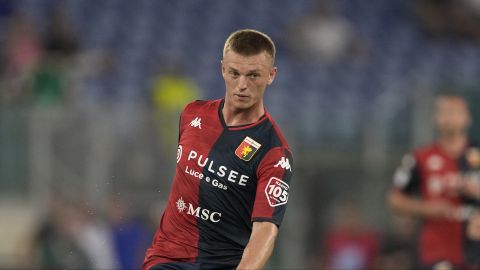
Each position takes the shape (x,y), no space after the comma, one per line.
(249,42)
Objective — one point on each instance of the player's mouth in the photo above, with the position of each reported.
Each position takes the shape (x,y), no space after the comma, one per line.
(242,97)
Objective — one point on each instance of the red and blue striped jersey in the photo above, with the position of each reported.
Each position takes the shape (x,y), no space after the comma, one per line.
(227,177)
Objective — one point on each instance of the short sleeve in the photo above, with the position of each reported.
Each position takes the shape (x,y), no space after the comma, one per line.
(407,175)
(181,121)
(273,187)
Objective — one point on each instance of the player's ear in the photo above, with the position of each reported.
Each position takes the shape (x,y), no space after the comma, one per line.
(222,65)
(271,75)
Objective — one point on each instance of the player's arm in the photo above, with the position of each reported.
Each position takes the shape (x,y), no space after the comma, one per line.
(273,173)
(407,204)
(402,198)
(473,227)
(470,187)
(260,245)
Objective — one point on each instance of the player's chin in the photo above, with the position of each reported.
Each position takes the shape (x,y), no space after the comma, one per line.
(243,105)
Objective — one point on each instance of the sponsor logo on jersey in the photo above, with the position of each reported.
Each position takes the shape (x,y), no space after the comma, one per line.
(284,163)
(277,192)
(435,163)
(435,185)
(447,183)
(198,212)
(214,170)
(181,206)
(247,149)
(179,153)
(196,123)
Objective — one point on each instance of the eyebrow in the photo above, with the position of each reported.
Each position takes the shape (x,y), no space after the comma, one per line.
(248,72)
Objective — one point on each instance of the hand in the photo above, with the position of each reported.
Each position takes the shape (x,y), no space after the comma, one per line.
(440,209)
(473,227)
(471,188)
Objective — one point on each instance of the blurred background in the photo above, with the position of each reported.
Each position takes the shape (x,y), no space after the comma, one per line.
(91,91)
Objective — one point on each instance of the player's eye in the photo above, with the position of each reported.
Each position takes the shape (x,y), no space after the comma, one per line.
(234,73)
(253,75)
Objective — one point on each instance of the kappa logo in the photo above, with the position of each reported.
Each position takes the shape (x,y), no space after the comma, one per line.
(284,163)
(197,123)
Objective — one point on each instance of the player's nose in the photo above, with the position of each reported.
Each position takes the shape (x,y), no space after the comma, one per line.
(242,83)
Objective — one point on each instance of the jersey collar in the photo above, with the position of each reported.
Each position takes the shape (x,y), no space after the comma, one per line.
(239,127)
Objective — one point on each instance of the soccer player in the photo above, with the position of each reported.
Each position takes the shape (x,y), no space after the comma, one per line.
(440,183)
(232,179)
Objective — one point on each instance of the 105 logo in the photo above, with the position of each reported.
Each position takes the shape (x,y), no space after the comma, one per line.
(277,192)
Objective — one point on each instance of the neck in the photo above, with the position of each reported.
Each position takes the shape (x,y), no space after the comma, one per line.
(236,117)
(453,143)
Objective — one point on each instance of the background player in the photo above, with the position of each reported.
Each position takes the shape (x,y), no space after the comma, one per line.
(233,171)
(445,176)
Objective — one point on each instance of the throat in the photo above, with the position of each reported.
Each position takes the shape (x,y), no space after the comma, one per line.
(453,146)
(239,117)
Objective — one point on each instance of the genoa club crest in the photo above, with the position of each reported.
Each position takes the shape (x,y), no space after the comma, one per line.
(247,149)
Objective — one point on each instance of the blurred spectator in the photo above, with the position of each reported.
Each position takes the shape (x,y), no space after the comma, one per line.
(54,245)
(325,35)
(171,91)
(60,38)
(71,237)
(23,48)
(131,236)
(94,236)
(452,18)
(49,82)
(22,54)
(398,247)
(90,72)
(350,243)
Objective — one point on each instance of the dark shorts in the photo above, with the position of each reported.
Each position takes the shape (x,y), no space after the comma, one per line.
(190,266)
(175,266)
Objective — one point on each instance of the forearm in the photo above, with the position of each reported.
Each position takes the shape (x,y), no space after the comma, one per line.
(473,227)
(470,187)
(259,247)
(405,204)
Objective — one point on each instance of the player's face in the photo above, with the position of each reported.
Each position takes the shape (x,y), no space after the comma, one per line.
(246,78)
(452,115)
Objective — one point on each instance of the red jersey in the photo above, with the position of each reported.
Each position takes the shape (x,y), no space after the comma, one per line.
(226,178)
(432,174)
(351,250)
